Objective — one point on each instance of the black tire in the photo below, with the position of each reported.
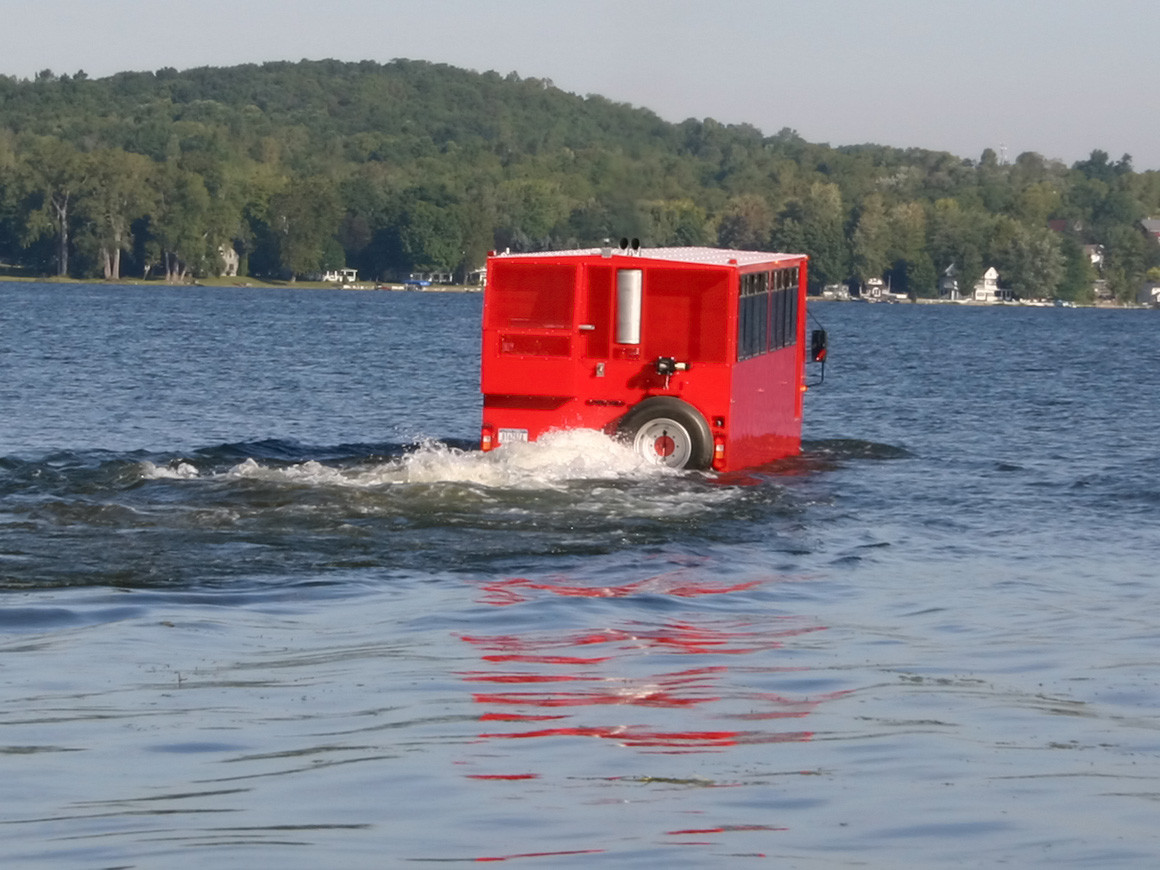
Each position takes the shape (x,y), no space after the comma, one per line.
(669,432)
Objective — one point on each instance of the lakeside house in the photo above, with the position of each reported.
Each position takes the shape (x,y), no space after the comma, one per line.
(426,279)
(1095,255)
(230,261)
(873,289)
(341,276)
(878,290)
(1152,228)
(1149,294)
(987,288)
(948,284)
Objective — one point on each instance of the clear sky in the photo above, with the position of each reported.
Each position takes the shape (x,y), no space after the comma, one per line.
(1059,77)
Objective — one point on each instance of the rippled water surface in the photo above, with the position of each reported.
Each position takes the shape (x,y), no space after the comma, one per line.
(262,604)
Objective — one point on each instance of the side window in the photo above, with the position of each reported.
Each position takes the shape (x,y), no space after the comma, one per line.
(768,312)
(791,307)
(785,308)
(753,315)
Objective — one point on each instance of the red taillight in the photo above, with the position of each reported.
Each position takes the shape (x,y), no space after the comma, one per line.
(718,452)
(487,438)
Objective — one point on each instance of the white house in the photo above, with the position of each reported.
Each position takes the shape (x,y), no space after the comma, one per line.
(987,288)
(341,276)
(230,261)
(948,284)
(436,276)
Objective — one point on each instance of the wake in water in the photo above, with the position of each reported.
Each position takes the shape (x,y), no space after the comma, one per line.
(557,459)
(274,513)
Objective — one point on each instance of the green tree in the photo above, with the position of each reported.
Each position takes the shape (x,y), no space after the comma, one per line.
(304,217)
(51,176)
(177,228)
(815,225)
(431,237)
(1034,265)
(9,236)
(529,210)
(1079,276)
(117,191)
(745,223)
(958,236)
(1129,255)
(911,268)
(869,241)
(993,182)
(1037,202)
(678,222)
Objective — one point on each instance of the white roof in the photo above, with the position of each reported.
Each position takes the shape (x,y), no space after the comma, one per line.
(702,256)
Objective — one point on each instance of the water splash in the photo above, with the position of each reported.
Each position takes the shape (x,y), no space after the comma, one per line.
(558,458)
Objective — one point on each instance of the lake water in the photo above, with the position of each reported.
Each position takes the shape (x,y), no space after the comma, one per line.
(262,604)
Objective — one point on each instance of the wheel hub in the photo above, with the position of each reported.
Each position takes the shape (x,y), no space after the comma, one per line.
(665,442)
(665,446)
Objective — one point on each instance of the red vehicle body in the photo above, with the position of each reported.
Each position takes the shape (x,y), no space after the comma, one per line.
(695,355)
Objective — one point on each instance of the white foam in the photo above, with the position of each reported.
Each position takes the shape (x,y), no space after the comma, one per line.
(176,470)
(311,473)
(554,460)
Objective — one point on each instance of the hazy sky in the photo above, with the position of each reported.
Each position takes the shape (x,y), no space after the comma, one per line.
(1060,77)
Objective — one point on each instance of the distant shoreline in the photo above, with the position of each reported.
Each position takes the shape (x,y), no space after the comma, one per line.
(397,287)
(970,303)
(243,283)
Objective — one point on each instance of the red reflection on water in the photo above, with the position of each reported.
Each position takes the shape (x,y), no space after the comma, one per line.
(631,736)
(474,677)
(675,637)
(546,660)
(720,829)
(576,673)
(724,829)
(587,699)
(516,717)
(503,776)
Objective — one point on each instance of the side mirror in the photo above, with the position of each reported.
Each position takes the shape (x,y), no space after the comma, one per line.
(818,345)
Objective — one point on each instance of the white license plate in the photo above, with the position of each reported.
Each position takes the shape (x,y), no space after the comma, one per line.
(511,436)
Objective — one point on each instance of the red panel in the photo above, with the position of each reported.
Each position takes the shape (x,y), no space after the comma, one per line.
(683,314)
(526,295)
(600,312)
(766,422)
(535,345)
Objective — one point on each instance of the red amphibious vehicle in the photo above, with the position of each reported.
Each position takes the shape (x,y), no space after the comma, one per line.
(695,356)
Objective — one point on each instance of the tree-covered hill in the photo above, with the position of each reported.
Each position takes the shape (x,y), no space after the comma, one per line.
(407,166)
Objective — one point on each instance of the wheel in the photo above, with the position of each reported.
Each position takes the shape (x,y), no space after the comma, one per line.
(669,432)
